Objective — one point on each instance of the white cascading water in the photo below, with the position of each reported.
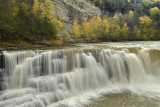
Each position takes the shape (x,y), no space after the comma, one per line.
(42,78)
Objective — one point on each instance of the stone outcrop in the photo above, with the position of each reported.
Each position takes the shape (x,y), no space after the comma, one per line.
(67,10)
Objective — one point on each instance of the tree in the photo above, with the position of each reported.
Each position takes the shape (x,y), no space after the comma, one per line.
(104,30)
(23,22)
(137,33)
(35,6)
(119,19)
(43,11)
(124,32)
(96,27)
(131,14)
(57,23)
(145,21)
(49,7)
(85,29)
(76,29)
(155,13)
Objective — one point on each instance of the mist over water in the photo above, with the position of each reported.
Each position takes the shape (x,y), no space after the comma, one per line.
(107,74)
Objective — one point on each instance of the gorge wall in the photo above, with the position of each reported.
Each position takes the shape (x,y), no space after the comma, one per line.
(67,10)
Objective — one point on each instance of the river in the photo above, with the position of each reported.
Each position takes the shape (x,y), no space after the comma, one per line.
(120,74)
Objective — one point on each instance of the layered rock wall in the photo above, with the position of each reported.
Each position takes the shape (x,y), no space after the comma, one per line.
(67,10)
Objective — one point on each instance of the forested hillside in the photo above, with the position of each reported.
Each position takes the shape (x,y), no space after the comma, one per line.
(139,6)
(119,20)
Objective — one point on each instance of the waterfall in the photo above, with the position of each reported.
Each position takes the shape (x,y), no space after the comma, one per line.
(41,78)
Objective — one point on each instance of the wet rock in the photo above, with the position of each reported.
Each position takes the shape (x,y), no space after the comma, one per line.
(2,84)
(1,60)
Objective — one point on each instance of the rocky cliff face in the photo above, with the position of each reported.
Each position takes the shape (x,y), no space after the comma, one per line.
(67,10)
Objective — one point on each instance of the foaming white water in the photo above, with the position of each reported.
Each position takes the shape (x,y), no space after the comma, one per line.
(73,77)
(149,91)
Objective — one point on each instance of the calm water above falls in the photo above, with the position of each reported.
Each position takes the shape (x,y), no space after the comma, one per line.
(87,75)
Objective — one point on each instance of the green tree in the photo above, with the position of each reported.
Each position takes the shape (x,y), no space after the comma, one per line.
(137,33)
(155,13)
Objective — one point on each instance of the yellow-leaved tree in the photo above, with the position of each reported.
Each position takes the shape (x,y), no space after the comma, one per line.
(131,14)
(96,27)
(43,11)
(35,6)
(47,13)
(85,30)
(104,29)
(47,10)
(145,21)
(76,29)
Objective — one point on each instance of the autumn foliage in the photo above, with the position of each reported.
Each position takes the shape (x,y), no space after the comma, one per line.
(28,20)
(117,28)
(35,20)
